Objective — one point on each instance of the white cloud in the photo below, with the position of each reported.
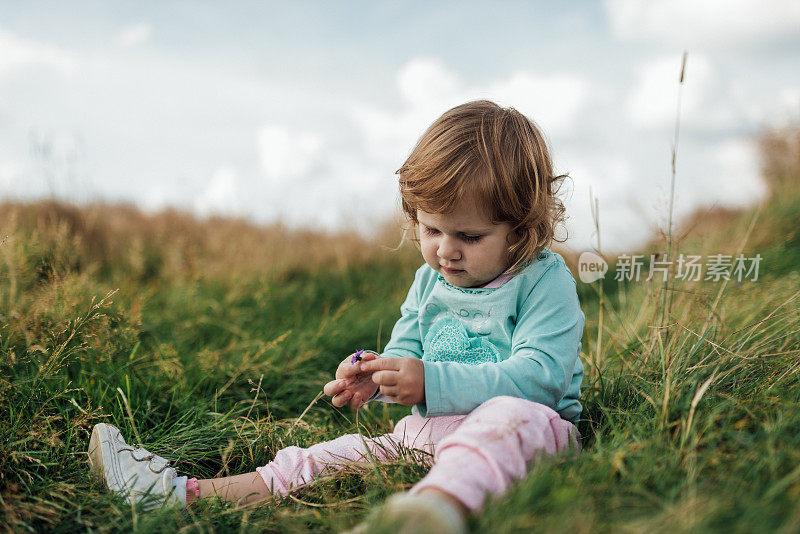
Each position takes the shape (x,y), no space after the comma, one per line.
(788,111)
(11,172)
(737,161)
(430,89)
(134,35)
(389,135)
(16,53)
(712,101)
(222,196)
(706,101)
(695,22)
(158,196)
(287,155)
(313,180)
(725,172)
(423,82)
(653,97)
(552,101)
(614,181)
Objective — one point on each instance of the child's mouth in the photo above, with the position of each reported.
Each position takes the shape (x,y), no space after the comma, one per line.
(452,271)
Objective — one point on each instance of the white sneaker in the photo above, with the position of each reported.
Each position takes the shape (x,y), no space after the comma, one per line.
(136,473)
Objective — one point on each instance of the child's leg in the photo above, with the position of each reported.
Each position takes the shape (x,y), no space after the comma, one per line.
(245,488)
(294,467)
(493,447)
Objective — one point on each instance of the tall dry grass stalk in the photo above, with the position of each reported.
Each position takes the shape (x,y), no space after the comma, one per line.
(594,204)
(666,297)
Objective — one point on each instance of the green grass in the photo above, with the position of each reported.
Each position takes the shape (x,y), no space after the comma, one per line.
(692,427)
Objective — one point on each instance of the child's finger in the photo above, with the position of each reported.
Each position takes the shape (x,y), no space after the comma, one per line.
(356,401)
(342,398)
(386,378)
(390,391)
(381,364)
(348,371)
(368,356)
(334,387)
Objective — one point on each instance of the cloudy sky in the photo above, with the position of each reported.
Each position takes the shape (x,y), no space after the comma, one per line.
(302,111)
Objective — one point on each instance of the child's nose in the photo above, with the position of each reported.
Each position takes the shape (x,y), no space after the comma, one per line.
(448,250)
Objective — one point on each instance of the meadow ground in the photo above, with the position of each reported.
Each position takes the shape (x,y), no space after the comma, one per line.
(204,341)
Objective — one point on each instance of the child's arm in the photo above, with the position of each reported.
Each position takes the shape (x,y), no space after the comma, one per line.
(544,356)
(405,340)
(355,387)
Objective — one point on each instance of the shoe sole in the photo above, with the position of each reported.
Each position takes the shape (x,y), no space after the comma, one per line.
(100,454)
(95,454)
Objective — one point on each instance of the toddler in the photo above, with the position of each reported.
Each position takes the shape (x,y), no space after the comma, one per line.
(486,350)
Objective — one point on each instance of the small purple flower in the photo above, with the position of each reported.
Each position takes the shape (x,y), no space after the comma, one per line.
(356,357)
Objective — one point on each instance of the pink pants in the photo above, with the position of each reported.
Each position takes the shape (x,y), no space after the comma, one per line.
(475,455)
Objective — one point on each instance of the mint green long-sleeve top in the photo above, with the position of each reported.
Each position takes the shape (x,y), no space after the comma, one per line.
(521,339)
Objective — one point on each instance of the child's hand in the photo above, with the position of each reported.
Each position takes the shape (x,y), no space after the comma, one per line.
(351,385)
(401,379)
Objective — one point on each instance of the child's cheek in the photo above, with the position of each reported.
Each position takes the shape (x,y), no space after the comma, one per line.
(429,254)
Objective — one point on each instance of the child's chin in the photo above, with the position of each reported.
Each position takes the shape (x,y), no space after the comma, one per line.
(460,280)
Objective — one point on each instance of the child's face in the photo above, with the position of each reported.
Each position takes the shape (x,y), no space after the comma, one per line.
(464,246)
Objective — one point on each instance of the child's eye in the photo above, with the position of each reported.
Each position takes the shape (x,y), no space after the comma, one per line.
(471,238)
(465,237)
